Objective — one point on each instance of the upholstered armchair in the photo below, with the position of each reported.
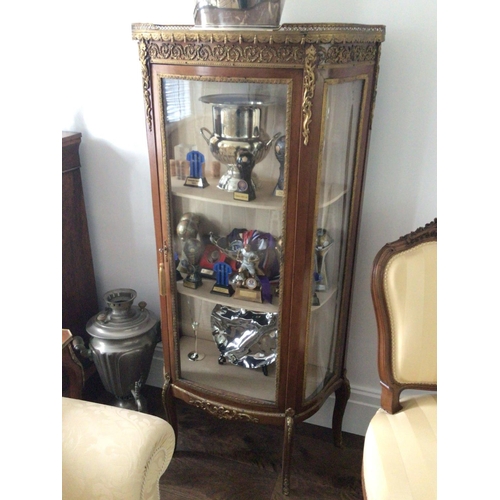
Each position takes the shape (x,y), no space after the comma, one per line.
(109,452)
(399,456)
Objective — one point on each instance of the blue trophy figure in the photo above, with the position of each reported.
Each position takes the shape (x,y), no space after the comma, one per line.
(222,273)
(196,177)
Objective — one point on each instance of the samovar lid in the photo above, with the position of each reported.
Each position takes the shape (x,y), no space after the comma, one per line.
(121,319)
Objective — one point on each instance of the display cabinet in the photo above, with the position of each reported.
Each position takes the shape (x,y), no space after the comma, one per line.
(258,142)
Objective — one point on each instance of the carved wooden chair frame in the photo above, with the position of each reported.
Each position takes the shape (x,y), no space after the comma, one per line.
(391,389)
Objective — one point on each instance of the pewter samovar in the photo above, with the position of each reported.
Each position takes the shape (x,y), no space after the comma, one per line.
(123,340)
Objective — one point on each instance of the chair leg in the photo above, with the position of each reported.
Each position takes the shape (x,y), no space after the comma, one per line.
(342,395)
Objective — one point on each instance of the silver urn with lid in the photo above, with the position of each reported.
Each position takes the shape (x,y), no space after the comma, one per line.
(123,340)
(238,124)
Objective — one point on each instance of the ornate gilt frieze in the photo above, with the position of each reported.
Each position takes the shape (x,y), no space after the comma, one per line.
(222,412)
(225,53)
(341,43)
(346,54)
(286,55)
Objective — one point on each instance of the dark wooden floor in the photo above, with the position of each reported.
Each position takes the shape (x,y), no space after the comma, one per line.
(228,460)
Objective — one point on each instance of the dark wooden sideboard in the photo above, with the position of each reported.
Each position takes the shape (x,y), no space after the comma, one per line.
(79,295)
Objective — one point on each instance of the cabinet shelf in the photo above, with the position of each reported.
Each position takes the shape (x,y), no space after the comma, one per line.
(265,200)
(203,293)
(332,194)
(230,378)
(324,298)
(226,377)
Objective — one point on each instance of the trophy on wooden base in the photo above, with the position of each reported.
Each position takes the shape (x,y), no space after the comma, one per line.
(222,272)
(247,283)
(193,250)
(257,257)
(196,178)
(245,163)
(187,229)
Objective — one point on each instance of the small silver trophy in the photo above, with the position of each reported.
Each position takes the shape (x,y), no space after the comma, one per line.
(279,151)
(195,355)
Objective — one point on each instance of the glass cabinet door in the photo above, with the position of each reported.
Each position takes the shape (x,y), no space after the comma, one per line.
(342,103)
(223,142)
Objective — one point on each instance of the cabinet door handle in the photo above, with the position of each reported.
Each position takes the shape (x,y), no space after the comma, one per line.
(164,250)
(161,280)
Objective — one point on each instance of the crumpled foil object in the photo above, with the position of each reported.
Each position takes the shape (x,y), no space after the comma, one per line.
(245,338)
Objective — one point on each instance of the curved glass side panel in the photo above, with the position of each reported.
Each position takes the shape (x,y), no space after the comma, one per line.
(339,143)
(223,144)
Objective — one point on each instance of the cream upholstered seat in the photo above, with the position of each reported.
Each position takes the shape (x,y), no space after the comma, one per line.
(400,450)
(112,453)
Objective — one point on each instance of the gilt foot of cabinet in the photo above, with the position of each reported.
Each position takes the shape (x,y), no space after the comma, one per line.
(287,450)
(169,405)
(342,395)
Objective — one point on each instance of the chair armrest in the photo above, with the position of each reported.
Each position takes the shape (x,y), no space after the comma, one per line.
(110,452)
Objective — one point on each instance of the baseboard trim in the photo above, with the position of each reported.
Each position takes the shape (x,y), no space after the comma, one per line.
(360,409)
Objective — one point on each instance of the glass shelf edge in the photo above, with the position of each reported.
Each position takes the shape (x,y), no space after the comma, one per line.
(203,293)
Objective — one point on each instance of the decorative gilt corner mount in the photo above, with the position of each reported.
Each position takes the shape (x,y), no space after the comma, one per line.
(146,81)
(311,63)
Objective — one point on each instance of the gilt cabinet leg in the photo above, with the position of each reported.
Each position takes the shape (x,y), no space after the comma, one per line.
(342,395)
(169,404)
(287,450)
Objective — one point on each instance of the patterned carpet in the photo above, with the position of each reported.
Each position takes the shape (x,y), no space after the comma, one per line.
(228,460)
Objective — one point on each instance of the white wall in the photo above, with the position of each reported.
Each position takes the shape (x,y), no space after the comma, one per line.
(101,96)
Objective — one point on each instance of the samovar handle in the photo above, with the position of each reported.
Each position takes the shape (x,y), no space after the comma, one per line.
(205,129)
